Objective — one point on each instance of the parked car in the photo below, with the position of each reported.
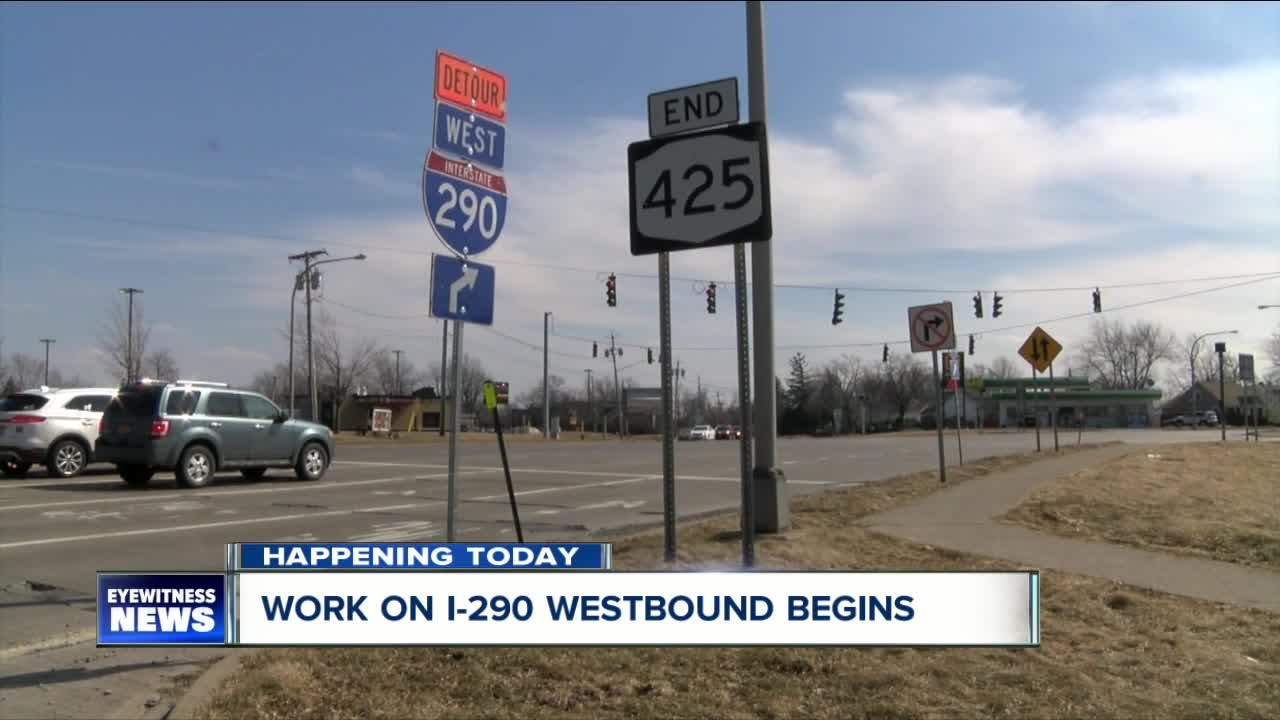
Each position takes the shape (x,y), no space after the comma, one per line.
(724,432)
(1208,417)
(698,432)
(198,428)
(55,428)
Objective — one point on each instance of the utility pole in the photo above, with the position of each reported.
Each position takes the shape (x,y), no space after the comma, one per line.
(613,352)
(444,369)
(397,354)
(128,374)
(47,342)
(546,388)
(591,409)
(698,401)
(771,505)
(306,258)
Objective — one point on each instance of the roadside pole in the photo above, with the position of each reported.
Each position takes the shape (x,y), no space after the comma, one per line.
(1035,408)
(1053,408)
(770,483)
(546,389)
(1222,392)
(491,400)
(668,415)
(444,368)
(744,406)
(937,384)
(455,382)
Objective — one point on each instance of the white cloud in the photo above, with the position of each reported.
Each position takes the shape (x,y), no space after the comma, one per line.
(378,180)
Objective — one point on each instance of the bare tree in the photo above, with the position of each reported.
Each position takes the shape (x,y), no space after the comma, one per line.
(1206,362)
(1124,357)
(340,364)
(161,364)
(384,374)
(274,383)
(903,381)
(471,384)
(113,340)
(1002,368)
(1273,354)
(558,395)
(26,371)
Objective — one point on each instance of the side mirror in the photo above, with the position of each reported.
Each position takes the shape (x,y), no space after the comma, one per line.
(281,417)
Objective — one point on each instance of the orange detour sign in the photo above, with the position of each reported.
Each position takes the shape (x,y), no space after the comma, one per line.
(470,86)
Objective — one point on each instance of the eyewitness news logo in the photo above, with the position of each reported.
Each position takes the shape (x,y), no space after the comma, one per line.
(162,609)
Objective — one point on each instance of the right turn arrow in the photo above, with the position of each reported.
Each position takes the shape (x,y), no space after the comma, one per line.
(467,281)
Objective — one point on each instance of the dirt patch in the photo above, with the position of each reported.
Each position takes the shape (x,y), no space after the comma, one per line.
(1204,499)
(1108,651)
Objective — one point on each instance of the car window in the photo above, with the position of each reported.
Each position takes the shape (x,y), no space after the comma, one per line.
(224,405)
(259,408)
(181,401)
(88,403)
(22,403)
(136,402)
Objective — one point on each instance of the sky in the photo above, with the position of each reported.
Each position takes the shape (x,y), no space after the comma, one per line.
(941,148)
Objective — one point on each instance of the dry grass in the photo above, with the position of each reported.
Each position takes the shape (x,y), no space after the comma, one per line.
(1205,499)
(1108,651)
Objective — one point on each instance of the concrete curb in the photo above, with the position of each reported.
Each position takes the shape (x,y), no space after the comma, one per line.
(205,686)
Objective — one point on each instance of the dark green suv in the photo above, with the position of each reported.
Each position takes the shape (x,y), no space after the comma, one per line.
(197,428)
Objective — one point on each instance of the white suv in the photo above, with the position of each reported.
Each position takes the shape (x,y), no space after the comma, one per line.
(52,427)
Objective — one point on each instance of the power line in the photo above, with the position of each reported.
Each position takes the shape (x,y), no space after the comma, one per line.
(597,272)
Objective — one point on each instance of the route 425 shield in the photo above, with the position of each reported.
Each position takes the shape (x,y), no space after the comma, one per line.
(465,204)
(700,190)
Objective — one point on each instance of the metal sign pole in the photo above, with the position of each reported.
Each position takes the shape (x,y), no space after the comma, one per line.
(1035,408)
(744,406)
(1222,398)
(937,384)
(455,383)
(1053,408)
(668,416)
(506,470)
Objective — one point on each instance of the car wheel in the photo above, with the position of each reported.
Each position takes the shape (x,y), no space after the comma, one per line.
(136,475)
(14,468)
(312,462)
(196,467)
(67,458)
(253,473)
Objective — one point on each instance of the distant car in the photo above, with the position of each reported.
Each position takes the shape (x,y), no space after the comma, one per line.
(702,432)
(1208,417)
(55,428)
(724,432)
(197,428)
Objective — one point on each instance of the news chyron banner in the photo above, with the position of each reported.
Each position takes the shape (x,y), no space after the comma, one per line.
(553,594)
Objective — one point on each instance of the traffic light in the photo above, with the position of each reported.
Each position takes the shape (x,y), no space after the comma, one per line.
(611,290)
(995,305)
(838,310)
(1097,300)
(595,350)
(650,356)
(970,344)
(886,353)
(711,299)
(977,305)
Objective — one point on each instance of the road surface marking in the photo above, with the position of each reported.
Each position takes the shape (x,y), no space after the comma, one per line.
(561,488)
(206,526)
(624,504)
(788,462)
(143,499)
(497,468)
(49,643)
(399,531)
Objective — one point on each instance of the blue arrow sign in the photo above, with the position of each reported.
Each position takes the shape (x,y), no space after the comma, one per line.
(462,290)
(465,204)
(469,136)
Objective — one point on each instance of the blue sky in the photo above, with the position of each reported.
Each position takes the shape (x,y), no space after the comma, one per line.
(947,145)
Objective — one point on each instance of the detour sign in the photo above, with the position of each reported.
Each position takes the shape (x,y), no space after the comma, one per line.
(471,87)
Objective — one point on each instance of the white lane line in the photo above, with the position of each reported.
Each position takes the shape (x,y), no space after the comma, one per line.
(624,504)
(206,526)
(561,488)
(789,462)
(300,516)
(514,471)
(738,480)
(147,498)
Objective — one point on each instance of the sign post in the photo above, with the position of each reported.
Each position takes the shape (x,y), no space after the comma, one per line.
(495,395)
(932,328)
(1039,350)
(465,200)
(1245,365)
(701,180)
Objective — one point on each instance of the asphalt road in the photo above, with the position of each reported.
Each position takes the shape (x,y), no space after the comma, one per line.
(58,533)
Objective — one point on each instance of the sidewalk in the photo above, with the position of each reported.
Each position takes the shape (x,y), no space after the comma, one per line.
(960,518)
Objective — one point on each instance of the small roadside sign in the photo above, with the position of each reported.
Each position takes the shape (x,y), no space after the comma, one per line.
(470,86)
(1245,363)
(490,396)
(693,108)
(1040,349)
(700,190)
(462,290)
(931,327)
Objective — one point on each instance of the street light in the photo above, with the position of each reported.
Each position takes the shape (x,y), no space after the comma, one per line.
(128,374)
(1194,344)
(307,280)
(1264,307)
